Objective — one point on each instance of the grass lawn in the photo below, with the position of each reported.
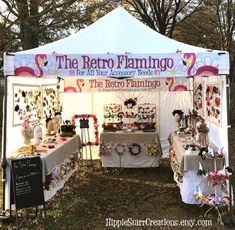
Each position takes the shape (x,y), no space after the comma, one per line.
(90,197)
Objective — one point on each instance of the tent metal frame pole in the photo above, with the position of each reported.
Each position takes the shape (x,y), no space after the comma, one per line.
(4,142)
(228,132)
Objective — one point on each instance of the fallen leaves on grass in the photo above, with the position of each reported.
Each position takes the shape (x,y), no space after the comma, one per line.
(92,196)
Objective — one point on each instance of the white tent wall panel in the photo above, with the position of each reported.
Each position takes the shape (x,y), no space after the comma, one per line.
(74,103)
(93,103)
(101,99)
(166,102)
(219,134)
(170,101)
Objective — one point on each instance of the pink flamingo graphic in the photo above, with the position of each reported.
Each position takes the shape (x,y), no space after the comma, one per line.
(75,89)
(25,71)
(190,59)
(170,82)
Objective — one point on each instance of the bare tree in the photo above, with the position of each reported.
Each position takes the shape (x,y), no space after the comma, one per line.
(37,22)
(200,29)
(225,12)
(6,35)
(163,15)
(27,18)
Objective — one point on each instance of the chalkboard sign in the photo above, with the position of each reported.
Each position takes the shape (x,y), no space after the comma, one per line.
(27,182)
(84,123)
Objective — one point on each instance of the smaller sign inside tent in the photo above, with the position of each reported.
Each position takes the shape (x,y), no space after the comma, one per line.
(74,85)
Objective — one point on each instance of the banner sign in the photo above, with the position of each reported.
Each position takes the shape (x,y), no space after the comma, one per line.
(121,65)
(75,85)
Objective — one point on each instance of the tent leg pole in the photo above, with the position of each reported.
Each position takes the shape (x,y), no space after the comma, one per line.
(3,156)
(229,219)
(229,126)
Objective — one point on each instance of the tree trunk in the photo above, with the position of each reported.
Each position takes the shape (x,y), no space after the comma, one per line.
(29,23)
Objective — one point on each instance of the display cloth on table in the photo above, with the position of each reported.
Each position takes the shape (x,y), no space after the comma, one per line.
(130,149)
(52,157)
(189,159)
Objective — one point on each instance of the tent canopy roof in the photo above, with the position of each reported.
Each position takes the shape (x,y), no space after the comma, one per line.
(119,45)
(116,32)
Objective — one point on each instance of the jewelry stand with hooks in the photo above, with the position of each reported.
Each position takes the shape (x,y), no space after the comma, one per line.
(215,206)
(85,139)
(217,200)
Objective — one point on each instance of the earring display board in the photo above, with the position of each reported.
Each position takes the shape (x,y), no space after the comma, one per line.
(143,117)
(213,102)
(33,102)
(146,113)
(112,113)
(146,116)
(27,101)
(50,102)
(198,97)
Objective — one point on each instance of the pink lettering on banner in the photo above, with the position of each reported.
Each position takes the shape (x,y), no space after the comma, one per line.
(96,84)
(114,84)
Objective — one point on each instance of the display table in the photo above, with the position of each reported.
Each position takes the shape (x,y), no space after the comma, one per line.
(58,164)
(185,165)
(130,149)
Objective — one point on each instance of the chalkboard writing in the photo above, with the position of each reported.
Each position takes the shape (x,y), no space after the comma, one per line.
(84,123)
(27,182)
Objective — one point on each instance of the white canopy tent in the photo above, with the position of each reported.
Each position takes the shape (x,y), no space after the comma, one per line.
(116,33)
(118,43)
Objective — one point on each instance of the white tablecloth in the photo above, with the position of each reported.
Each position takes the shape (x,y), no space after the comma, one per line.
(57,155)
(51,160)
(189,160)
(188,168)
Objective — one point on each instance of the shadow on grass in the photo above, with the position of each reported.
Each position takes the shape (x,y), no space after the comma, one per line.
(91,197)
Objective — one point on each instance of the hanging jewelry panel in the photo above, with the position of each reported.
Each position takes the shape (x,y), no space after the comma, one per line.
(198,97)
(50,101)
(27,101)
(213,102)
